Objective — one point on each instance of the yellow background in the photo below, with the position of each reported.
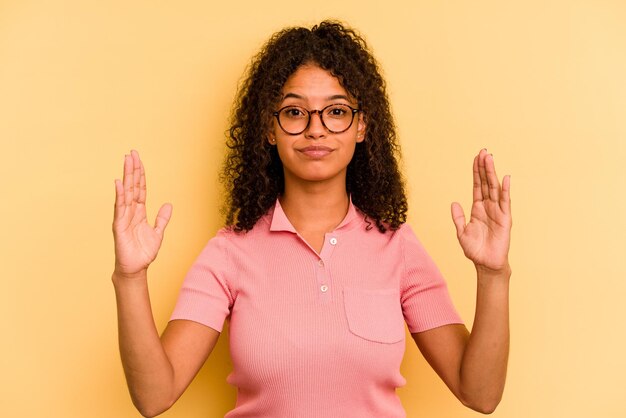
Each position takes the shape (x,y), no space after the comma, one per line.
(541,84)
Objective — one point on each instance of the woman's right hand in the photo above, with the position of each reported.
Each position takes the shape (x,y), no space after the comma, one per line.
(137,243)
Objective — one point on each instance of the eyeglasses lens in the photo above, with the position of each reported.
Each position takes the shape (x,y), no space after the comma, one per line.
(336,118)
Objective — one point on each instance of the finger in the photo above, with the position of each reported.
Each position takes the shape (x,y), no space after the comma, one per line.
(477,193)
(484,187)
(492,178)
(128,180)
(119,200)
(458,217)
(136,175)
(162,219)
(505,197)
(142,184)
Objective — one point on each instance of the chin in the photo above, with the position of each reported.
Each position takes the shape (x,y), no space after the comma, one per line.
(316,177)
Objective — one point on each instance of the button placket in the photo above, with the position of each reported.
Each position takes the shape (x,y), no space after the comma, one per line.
(323,279)
(324,283)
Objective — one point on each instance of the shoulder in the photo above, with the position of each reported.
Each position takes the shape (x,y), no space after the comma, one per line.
(407,235)
(368,225)
(227,238)
(400,235)
(404,241)
(229,233)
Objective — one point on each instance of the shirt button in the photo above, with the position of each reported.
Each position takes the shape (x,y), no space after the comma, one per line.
(333,241)
(320,262)
(324,288)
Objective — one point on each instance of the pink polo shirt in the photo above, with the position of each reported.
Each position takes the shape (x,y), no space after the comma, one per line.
(316,335)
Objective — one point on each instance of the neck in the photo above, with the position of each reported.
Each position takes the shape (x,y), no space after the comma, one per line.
(319,206)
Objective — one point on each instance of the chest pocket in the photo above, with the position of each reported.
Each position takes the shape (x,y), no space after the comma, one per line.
(375,315)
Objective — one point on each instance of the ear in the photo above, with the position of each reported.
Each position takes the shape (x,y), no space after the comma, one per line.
(360,129)
(271,136)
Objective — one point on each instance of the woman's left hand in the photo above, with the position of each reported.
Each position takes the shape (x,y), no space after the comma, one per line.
(485,239)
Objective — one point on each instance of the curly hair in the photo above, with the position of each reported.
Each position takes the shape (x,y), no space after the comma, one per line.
(253,173)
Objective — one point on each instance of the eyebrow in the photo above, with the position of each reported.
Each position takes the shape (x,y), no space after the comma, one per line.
(333,97)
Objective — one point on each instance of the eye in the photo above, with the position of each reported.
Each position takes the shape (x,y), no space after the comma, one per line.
(337,111)
(293,113)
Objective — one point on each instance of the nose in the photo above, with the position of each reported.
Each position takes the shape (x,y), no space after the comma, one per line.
(316,128)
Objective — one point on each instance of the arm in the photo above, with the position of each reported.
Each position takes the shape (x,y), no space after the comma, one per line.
(473,365)
(157,369)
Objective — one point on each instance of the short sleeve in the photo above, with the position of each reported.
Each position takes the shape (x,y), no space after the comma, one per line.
(426,302)
(205,296)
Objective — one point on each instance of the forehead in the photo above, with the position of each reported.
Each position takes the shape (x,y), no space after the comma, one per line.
(312,82)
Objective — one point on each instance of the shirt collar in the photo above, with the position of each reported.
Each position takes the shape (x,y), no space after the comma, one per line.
(279,221)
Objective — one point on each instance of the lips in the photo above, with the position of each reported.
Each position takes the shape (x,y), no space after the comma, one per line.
(316,151)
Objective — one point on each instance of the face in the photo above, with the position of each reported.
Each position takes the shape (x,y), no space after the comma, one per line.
(315,155)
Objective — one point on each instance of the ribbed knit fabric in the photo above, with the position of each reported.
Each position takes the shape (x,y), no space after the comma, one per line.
(316,335)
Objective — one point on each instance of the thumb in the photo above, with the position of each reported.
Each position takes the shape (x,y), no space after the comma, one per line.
(162,218)
(458,217)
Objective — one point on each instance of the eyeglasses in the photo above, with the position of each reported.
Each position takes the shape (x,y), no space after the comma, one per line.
(336,118)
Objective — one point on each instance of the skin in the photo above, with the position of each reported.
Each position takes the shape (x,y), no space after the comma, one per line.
(315,198)
(474,365)
(159,369)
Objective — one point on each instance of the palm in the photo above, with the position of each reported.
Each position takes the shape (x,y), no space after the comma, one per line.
(485,239)
(136,242)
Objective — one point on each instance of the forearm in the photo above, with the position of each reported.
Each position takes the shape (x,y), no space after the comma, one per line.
(484,364)
(149,373)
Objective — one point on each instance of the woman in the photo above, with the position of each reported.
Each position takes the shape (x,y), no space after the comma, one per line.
(316,268)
